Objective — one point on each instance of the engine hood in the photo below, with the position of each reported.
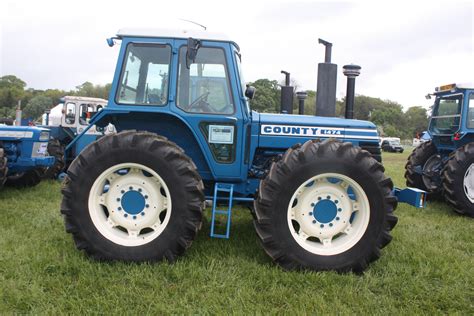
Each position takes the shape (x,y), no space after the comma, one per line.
(311,127)
(21,132)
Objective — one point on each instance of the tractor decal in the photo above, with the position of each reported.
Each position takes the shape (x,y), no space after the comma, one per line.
(317,131)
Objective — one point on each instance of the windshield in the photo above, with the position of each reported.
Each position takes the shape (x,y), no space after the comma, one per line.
(446,114)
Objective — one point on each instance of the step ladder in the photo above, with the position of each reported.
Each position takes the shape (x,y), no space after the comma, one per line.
(226,188)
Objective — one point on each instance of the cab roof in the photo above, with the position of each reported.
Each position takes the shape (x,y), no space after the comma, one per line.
(84,99)
(175,33)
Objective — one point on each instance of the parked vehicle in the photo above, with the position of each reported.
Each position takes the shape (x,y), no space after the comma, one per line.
(23,155)
(444,165)
(67,120)
(392,146)
(186,134)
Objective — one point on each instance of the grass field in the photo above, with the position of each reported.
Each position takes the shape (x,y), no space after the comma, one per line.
(427,269)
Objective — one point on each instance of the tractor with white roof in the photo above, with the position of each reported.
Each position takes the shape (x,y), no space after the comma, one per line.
(186,134)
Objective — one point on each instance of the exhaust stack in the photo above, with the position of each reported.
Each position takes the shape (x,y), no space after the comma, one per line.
(326,87)
(286,95)
(351,71)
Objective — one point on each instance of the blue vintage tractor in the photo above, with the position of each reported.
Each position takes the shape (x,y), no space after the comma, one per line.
(444,165)
(23,155)
(186,134)
(65,121)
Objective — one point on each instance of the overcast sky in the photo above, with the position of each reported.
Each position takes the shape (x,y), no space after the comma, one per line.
(405,48)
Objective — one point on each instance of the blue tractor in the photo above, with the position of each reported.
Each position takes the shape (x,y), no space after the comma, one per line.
(444,165)
(315,185)
(65,121)
(23,155)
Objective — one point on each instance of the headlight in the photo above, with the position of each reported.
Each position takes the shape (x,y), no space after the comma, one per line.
(44,136)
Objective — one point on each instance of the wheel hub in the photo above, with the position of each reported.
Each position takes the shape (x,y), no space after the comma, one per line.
(325,211)
(133,202)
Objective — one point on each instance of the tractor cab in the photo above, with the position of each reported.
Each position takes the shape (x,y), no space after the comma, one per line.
(452,120)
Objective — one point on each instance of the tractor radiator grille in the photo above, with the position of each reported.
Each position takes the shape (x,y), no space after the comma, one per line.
(373,149)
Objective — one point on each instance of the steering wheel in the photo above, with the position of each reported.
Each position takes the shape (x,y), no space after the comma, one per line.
(200,103)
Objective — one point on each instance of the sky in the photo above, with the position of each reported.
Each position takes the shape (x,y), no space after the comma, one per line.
(405,48)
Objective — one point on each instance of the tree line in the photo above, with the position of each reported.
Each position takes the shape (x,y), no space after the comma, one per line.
(389,116)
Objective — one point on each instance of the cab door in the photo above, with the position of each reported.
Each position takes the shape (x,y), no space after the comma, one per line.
(207,98)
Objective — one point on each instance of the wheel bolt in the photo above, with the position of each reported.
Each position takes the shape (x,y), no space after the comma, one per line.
(123,191)
(339,209)
(125,215)
(142,213)
(146,196)
(131,188)
(118,199)
(314,222)
(319,198)
(336,201)
(322,226)
(328,197)
(119,208)
(312,204)
(139,190)
(134,217)
(310,213)
(147,206)
(337,218)
(330,224)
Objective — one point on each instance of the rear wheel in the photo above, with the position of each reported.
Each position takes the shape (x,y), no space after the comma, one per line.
(458,180)
(424,167)
(133,197)
(3,167)
(55,149)
(325,206)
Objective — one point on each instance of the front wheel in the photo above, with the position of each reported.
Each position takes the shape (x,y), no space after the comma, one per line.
(133,197)
(458,180)
(25,179)
(325,206)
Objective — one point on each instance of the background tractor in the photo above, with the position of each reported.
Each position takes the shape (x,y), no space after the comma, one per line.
(65,121)
(186,134)
(23,155)
(444,165)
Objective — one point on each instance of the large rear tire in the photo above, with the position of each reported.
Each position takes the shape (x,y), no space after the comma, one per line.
(458,180)
(423,169)
(3,167)
(133,196)
(55,149)
(325,206)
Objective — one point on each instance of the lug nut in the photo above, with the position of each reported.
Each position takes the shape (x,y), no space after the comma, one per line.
(139,190)
(119,208)
(134,216)
(142,213)
(131,188)
(337,218)
(319,198)
(322,226)
(339,209)
(328,197)
(125,215)
(314,222)
(310,213)
(146,196)
(330,224)
(147,206)
(336,201)
(312,204)
(123,191)
(118,199)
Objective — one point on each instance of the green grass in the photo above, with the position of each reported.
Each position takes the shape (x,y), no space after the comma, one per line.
(428,268)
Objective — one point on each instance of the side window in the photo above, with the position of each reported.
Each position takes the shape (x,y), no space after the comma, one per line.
(470,113)
(70,113)
(145,75)
(204,87)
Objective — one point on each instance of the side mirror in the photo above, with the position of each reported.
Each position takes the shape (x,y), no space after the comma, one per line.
(193,47)
(250,92)
(428,96)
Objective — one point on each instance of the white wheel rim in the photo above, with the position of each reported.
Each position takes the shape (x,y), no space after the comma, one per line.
(130,204)
(469,183)
(328,214)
